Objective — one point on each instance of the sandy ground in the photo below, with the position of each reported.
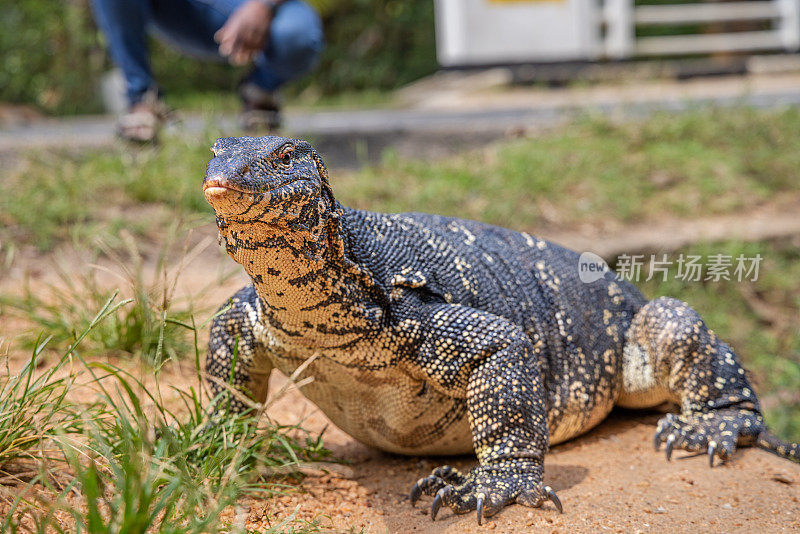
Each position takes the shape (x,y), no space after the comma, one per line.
(611,479)
(608,480)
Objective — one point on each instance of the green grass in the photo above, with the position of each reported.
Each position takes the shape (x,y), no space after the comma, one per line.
(33,409)
(691,164)
(136,465)
(150,324)
(61,196)
(758,319)
(588,172)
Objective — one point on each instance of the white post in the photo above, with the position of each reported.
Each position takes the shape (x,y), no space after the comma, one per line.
(620,30)
(789,25)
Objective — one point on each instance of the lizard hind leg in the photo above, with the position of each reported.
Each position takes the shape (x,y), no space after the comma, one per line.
(670,345)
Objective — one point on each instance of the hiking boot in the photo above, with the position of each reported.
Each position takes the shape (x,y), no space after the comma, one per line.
(144,119)
(261,109)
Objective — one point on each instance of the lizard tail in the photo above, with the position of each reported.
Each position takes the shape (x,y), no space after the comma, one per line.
(770,442)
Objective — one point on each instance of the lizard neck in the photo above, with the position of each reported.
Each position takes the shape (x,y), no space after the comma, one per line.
(314,294)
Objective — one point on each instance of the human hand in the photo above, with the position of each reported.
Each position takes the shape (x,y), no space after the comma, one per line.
(245,32)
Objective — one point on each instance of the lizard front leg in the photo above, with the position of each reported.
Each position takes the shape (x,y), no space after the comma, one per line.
(235,356)
(492,364)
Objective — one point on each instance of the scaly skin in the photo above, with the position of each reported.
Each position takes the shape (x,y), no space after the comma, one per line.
(443,336)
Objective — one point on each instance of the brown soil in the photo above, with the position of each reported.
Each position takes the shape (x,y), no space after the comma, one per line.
(611,479)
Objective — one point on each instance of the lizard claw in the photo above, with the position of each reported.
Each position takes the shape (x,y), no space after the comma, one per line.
(658,439)
(428,485)
(670,446)
(662,430)
(486,489)
(717,432)
(553,498)
(437,503)
(416,493)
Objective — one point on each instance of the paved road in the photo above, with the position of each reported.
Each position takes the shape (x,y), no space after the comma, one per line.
(446,122)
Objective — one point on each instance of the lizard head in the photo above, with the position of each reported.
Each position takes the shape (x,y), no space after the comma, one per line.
(263,186)
(268,172)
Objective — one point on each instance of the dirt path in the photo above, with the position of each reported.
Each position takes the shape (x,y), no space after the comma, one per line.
(608,480)
(774,220)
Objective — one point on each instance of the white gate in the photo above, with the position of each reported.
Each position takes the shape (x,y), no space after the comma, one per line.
(621,19)
(484,32)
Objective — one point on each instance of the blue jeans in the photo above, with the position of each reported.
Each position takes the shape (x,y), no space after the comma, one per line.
(295,37)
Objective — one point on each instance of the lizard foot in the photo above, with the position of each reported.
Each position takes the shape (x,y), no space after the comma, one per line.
(718,432)
(486,489)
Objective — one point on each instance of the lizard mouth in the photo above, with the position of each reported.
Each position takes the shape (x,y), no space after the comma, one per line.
(216,187)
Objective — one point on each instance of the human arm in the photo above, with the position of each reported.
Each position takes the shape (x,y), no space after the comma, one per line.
(246,31)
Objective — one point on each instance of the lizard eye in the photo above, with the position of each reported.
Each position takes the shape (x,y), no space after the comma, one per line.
(285,158)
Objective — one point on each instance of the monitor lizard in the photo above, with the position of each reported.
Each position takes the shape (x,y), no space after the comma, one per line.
(440,336)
